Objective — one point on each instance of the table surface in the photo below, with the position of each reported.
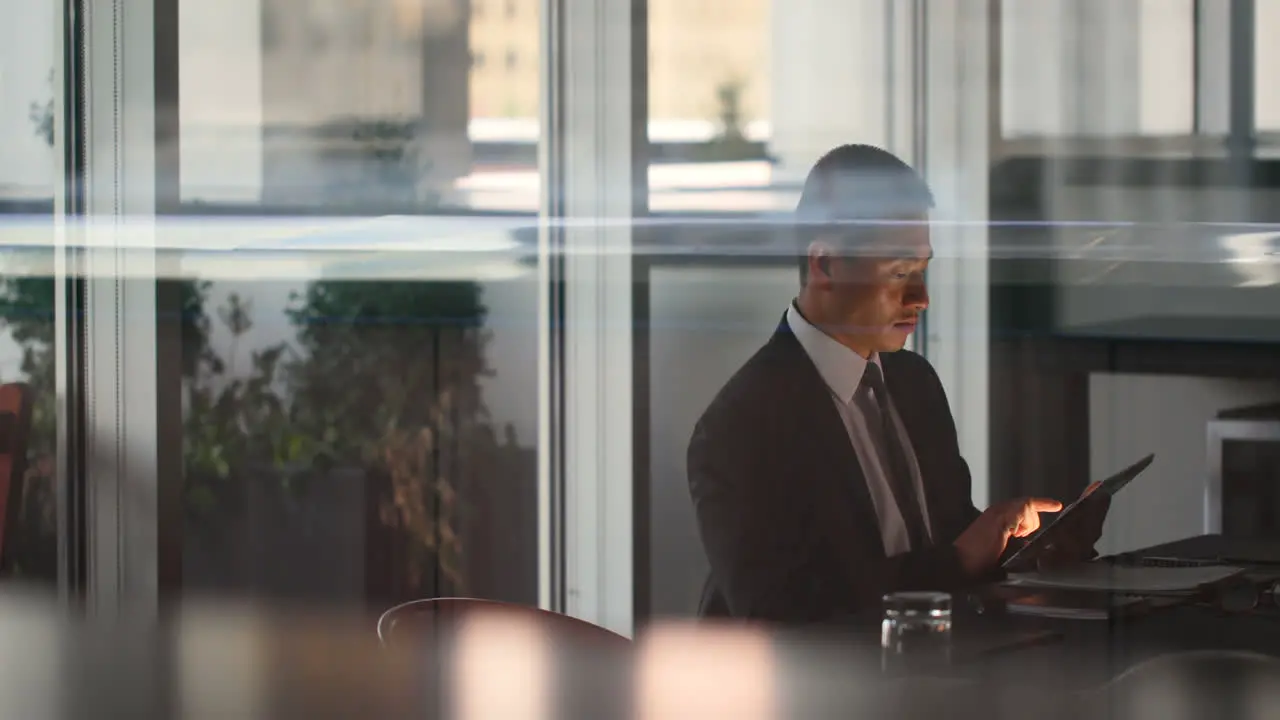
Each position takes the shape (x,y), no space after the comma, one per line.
(206,660)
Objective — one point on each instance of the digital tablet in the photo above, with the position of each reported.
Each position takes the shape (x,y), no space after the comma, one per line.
(1109,487)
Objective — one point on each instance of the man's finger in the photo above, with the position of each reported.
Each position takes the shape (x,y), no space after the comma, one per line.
(1030,523)
(1011,525)
(1044,505)
(1021,521)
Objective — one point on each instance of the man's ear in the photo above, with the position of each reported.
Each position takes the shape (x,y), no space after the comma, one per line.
(820,262)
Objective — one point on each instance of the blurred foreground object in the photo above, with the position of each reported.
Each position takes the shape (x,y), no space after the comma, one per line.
(501,660)
(201,661)
(225,660)
(417,620)
(1202,684)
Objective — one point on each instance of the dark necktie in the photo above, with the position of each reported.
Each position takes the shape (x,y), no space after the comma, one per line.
(899,469)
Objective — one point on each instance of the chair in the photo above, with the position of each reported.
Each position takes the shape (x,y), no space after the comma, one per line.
(418,618)
(15,431)
(492,659)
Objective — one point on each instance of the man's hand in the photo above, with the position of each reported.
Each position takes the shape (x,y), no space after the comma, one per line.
(982,543)
(1073,539)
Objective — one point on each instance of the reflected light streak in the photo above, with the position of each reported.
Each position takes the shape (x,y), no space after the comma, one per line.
(706,672)
(1253,258)
(300,267)
(428,233)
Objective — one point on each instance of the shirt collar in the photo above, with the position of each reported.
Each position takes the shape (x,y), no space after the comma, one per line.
(840,367)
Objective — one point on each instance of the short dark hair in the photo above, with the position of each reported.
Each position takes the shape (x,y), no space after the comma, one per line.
(855,184)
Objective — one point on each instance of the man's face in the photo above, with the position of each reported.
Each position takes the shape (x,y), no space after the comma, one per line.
(877,292)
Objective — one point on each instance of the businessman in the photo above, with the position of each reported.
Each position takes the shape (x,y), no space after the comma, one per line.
(827,472)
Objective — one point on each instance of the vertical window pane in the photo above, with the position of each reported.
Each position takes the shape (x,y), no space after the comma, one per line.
(744,96)
(1266,78)
(27,344)
(1136,233)
(1089,68)
(358,294)
(1111,198)
(711,104)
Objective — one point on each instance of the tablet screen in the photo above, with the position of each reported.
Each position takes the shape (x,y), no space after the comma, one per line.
(1110,487)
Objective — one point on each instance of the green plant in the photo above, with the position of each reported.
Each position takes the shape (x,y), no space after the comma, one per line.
(729,97)
(382,376)
(234,423)
(392,147)
(388,161)
(389,373)
(730,142)
(41,115)
(27,313)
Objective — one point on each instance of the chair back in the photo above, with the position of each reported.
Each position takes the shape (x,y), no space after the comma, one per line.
(420,619)
(15,431)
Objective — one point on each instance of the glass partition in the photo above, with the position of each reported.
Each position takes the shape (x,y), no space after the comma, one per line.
(355,270)
(743,98)
(28,342)
(1135,192)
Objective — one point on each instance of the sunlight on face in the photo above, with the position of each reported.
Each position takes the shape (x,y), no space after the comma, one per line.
(877,290)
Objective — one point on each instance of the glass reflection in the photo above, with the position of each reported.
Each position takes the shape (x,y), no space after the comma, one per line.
(27,343)
(359,396)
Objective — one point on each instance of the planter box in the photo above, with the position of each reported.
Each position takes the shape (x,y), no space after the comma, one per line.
(306,544)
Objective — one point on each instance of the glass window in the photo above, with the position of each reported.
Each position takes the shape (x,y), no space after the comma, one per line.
(1130,230)
(1084,68)
(1266,80)
(1121,232)
(710,105)
(357,291)
(27,341)
(1142,164)
(738,112)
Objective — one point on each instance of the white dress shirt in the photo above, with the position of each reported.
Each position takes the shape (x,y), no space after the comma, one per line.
(842,370)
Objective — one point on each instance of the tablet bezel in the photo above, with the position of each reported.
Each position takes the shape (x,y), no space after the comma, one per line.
(1108,487)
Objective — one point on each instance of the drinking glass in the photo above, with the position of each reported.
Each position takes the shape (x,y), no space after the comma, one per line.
(915,632)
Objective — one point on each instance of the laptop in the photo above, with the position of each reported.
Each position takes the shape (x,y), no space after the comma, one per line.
(1208,550)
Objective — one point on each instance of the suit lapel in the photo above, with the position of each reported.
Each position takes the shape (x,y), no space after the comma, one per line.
(838,482)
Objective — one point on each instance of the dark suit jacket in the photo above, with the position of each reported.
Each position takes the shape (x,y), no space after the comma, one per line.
(782,504)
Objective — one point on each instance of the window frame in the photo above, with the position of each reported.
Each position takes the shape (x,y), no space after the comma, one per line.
(954,54)
(69,301)
(118,259)
(593,166)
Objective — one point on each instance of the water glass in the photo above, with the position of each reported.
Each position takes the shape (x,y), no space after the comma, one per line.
(915,632)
